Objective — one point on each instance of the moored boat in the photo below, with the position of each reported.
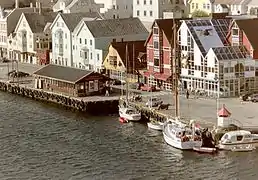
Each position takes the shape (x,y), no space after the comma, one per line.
(129,114)
(205,150)
(180,136)
(156,125)
(237,139)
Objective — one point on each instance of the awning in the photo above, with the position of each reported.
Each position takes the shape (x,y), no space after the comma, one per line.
(223,112)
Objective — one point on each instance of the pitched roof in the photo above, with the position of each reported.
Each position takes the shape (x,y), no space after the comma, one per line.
(249,27)
(230,52)
(72,19)
(134,48)
(229,2)
(37,22)
(116,27)
(14,17)
(68,74)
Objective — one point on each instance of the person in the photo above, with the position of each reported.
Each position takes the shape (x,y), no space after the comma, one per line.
(187,94)
(107,92)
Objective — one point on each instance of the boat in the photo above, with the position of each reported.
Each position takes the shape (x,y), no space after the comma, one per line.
(181,136)
(129,114)
(237,139)
(156,125)
(126,112)
(205,150)
(243,148)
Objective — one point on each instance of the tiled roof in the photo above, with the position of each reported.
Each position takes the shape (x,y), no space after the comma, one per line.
(116,27)
(62,73)
(134,48)
(37,22)
(72,19)
(14,17)
(228,2)
(250,28)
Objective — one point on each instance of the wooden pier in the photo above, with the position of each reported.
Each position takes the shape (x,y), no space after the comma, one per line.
(94,104)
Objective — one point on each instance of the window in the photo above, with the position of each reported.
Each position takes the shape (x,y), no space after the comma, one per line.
(208,6)
(235,32)
(91,42)
(204,6)
(138,13)
(144,13)
(138,1)
(98,57)
(151,13)
(90,55)
(155,31)
(144,2)
(150,2)
(196,6)
(156,62)
(85,41)
(65,35)
(91,86)
(156,44)
(177,1)
(192,5)
(80,40)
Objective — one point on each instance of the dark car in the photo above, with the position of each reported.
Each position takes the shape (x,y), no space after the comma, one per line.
(245,97)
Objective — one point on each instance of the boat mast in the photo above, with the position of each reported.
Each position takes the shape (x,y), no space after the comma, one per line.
(176,63)
(126,76)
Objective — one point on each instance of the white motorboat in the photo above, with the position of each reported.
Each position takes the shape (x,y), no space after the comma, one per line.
(181,136)
(238,140)
(243,148)
(205,150)
(156,125)
(129,114)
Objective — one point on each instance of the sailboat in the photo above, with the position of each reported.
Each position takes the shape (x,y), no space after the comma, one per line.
(175,133)
(126,112)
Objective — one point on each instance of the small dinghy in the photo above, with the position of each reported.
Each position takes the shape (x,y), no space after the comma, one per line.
(155,125)
(243,148)
(205,150)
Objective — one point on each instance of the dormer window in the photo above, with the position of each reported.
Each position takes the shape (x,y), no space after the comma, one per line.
(155,31)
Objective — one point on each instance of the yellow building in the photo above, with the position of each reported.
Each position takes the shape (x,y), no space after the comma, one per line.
(115,61)
(200,5)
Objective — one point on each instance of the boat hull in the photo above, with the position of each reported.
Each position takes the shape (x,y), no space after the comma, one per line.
(134,117)
(229,147)
(155,126)
(205,150)
(179,144)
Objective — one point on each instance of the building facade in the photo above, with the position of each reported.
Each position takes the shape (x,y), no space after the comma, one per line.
(92,39)
(235,7)
(112,9)
(149,10)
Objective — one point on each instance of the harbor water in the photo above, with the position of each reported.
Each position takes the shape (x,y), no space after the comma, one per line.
(44,142)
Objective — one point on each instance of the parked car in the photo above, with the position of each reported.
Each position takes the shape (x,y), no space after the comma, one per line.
(154,102)
(253,98)
(245,97)
(148,88)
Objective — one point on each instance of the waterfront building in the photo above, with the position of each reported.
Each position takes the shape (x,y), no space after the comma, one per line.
(209,63)
(235,7)
(115,61)
(92,38)
(149,10)
(62,38)
(31,34)
(253,7)
(159,47)
(201,5)
(112,9)
(69,81)
(76,6)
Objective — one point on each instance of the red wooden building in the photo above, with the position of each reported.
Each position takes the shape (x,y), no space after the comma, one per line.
(245,32)
(159,45)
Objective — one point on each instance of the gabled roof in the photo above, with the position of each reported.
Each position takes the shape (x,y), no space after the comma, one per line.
(37,22)
(166,25)
(116,27)
(62,73)
(223,112)
(250,28)
(72,19)
(134,48)
(229,2)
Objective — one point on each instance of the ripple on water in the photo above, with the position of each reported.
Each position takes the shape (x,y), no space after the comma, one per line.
(40,142)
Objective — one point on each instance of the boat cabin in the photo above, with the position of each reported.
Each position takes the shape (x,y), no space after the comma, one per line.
(236,136)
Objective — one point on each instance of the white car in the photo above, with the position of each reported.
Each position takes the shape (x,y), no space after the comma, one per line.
(154,102)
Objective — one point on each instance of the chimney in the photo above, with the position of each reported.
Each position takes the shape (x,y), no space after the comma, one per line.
(40,9)
(31,5)
(16,4)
